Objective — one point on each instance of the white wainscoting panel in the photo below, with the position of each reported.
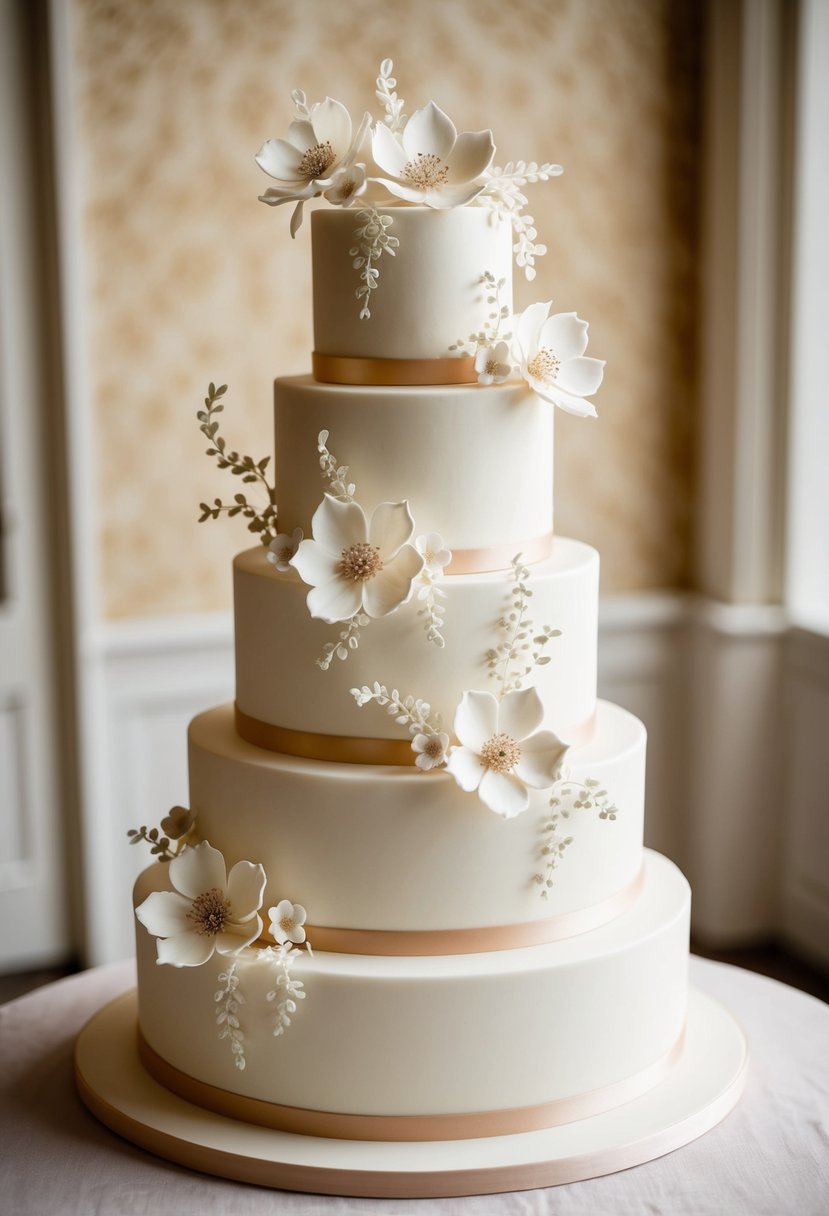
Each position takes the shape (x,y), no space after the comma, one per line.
(805,756)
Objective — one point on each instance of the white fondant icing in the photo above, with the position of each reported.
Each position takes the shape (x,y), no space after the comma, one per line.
(429,294)
(391,848)
(475,463)
(278,681)
(456,1034)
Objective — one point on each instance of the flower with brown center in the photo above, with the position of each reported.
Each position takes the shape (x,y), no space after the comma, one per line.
(430,163)
(430,750)
(355,565)
(208,909)
(502,751)
(317,157)
(550,355)
(287,921)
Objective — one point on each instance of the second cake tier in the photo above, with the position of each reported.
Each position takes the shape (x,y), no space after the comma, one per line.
(372,850)
(475,464)
(280,684)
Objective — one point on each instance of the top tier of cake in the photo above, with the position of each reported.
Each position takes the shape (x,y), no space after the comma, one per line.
(429,293)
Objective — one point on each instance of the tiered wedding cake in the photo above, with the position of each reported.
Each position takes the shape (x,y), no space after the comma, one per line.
(416,778)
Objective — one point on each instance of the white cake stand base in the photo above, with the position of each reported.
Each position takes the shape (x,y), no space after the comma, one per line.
(701,1089)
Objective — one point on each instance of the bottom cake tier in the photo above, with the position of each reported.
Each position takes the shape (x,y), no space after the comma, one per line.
(419,1048)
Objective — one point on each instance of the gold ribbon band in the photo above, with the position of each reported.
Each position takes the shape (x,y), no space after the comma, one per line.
(308,745)
(342,369)
(499,557)
(353,749)
(334,1126)
(410,942)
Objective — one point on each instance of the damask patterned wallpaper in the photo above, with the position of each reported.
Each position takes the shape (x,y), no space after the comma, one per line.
(190,279)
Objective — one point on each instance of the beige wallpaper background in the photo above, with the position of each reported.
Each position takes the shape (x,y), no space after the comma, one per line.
(190,279)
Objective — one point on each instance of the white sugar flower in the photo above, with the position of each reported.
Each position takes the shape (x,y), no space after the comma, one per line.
(432,548)
(493,363)
(430,163)
(502,750)
(281,550)
(287,921)
(355,566)
(308,161)
(209,910)
(430,749)
(550,353)
(347,184)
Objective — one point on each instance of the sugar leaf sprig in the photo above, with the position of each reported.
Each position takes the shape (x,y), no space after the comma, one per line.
(228,999)
(394,118)
(335,474)
(411,712)
(504,194)
(568,796)
(175,834)
(347,640)
(491,331)
(371,240)
(287,990)
(261,521)
(512,660)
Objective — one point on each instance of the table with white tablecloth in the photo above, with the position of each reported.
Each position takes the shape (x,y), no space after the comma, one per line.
(769,1157)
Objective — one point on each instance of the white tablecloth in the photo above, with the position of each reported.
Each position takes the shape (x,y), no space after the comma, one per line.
(769,1157)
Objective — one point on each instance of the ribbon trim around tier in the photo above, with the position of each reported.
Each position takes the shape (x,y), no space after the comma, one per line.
(344,369)
(472,1126)
(352,749)
(393,943)
(500,557)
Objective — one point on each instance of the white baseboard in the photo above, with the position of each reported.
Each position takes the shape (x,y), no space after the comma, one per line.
(703,678)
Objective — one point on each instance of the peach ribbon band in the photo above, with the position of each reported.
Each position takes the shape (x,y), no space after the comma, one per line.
(333,1126)
(308,745)
(352,749)
(499,557)
(342,369)
(392,943)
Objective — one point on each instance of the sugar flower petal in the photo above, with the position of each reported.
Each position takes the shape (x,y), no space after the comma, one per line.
(503,793)
(199,869)
(388,152)
(164,913)
(301,135)
(465,766)
(429,131)
(565,334)
(581,377)
(520,713)
(337,525)
(245,888)
(314,564)
(337,600)
(185,949)
(392,585)
(331,123)
(234,937)
(541,760)
(527,328)
(476,719)
(579,406)
(471,156)
(392,525)
(279,159)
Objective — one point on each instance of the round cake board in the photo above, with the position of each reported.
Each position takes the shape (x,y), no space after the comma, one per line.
(700,1090)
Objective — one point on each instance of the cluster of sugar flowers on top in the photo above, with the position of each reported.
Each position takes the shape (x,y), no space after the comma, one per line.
(420,160)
